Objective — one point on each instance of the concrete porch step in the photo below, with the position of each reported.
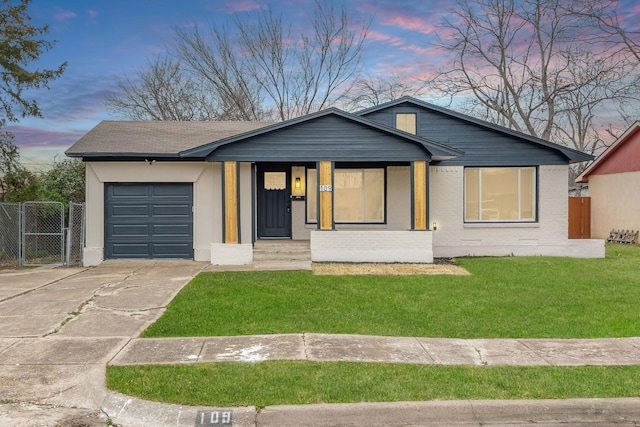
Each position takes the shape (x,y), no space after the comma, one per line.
(281,250)
(281,265)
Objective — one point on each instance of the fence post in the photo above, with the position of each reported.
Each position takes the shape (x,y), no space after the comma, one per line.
(10,234)
(67,235)
(22,237)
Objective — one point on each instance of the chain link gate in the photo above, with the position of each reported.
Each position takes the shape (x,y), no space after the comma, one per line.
(34,233)
(43,240)
(75,234)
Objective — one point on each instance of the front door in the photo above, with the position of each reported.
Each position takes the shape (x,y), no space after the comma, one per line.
(274,202)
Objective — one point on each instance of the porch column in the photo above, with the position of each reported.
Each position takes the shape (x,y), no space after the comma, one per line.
(419,197)
(325,183)
(230,200)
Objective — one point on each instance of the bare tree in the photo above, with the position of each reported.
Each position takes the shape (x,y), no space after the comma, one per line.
(163,91)
(580,108)
(251,69)
(263,69)
(604,14)
(619,41)
(537,66)
(220,64)
(370,91)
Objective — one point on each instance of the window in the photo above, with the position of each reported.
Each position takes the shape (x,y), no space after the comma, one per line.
(358,195)
(500,194)
(312,195)
(275,180)
(406,122)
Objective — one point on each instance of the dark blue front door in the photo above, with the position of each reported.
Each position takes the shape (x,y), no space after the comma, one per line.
(274,202)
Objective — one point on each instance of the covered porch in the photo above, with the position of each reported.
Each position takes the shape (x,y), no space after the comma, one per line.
(347,212)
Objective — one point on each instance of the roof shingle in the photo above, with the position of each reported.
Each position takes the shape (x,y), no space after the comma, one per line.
(157,137)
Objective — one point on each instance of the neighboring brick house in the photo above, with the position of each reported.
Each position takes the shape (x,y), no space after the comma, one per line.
(405,181)
(614,185)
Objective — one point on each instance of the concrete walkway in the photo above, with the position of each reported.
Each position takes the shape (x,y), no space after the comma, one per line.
(61,327)
(360,348)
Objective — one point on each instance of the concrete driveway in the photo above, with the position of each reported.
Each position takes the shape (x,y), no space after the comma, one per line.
(60,327)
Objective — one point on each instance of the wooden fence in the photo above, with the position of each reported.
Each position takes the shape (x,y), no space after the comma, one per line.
(579,217)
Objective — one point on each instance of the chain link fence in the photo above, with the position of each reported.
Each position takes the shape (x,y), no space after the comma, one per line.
(35,234)
(10,236)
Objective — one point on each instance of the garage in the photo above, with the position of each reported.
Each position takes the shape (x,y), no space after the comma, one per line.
(148,220)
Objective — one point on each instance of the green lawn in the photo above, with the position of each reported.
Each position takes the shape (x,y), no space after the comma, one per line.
(504,297)
(277,383)
(513,297)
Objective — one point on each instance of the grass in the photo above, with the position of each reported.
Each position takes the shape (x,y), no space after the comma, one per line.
(276,383)
(513,297)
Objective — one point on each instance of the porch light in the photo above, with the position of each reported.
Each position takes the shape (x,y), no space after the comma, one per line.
(434,226)
(298,182)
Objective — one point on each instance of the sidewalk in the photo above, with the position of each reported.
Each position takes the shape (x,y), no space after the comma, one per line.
(361,348)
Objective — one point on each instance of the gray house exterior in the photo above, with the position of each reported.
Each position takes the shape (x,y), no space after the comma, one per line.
(405,181)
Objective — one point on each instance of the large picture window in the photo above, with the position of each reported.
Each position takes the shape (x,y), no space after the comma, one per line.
(358,195)
(500,194)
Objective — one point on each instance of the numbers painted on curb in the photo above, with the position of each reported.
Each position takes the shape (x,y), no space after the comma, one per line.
(214,418)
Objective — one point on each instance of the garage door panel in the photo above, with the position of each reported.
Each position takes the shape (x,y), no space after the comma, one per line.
(150,220)
(171,230)
(175,191)
(129,211)
(130,190)
(130,250)
(131,230)
(180,211)
(168,250)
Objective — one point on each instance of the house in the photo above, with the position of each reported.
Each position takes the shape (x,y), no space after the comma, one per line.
(405,181)
(614,185)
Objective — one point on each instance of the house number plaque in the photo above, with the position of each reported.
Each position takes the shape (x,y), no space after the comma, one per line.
(326,188)
(214,418)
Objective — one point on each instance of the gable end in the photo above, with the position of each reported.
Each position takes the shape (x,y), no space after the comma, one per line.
(482,142)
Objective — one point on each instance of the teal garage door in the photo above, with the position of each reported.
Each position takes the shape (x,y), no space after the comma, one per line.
(149,220)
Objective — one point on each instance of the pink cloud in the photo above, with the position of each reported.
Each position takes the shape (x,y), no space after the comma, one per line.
(40,146)
(410,23)
(408,16)
(93,13)
(63,15)
(381,37)
(243,6)
(430,51)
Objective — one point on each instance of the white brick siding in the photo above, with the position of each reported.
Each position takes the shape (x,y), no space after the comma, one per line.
(549,236)
(371,246)
(231,254)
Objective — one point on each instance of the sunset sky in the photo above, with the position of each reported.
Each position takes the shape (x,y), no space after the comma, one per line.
(104,39)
